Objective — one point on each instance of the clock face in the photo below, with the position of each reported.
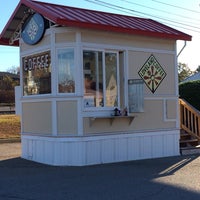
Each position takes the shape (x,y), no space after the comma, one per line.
(33,29)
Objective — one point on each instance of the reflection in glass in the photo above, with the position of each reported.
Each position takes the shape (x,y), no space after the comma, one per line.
(111,79)
(100,79)
(93,79)
(37,74)
(65,63)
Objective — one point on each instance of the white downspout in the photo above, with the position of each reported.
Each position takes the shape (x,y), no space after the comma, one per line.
(182,49)
(177,90)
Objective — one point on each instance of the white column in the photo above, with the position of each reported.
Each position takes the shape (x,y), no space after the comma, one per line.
(54,83)
(79,81)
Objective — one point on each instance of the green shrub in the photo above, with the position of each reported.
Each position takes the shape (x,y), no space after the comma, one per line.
(190,91)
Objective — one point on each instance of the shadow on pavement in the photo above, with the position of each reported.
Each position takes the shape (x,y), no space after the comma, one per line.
(167,178)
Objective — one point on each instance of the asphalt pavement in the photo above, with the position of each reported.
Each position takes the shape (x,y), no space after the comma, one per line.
(174,178)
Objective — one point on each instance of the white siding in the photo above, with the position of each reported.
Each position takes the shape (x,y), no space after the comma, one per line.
(80,151)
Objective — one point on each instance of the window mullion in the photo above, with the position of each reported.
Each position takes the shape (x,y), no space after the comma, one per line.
(97,79)
(104,80)
(118,80)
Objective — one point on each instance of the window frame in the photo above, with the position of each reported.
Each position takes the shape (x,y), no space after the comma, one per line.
(103,51)
(57,71)
(34,53)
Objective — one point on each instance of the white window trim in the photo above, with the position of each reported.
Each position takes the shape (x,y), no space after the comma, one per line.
(57,70)
(102,110)
(30,53)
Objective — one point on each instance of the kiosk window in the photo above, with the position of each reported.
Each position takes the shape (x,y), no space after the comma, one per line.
(101,85)
(37,74)
(65,63)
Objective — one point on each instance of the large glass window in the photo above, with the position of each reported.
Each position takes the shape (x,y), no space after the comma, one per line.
(37,74)
(100,79)
(65,63)
(111,79)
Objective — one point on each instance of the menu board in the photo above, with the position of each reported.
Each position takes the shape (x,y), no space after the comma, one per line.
(135,95)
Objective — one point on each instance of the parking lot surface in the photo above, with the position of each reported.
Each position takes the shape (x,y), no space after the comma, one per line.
(174,178)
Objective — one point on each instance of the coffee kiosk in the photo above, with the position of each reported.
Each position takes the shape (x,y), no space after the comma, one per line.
(95,87)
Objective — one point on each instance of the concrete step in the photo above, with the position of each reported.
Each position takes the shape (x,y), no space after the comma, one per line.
(189,143)
(185,136)
(190,150)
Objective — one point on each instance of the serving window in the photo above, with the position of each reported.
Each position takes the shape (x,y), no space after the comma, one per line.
(101,79)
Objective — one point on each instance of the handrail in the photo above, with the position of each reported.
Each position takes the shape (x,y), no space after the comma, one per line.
(189,119)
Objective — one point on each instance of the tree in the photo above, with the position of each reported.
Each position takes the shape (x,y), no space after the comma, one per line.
(7,89)
(197,70)
(6,83)
(183,71)
(14,70)
(190,91)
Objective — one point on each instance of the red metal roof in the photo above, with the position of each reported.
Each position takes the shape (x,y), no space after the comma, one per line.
(84,18)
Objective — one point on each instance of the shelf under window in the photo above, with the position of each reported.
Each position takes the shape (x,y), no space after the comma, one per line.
(111,119)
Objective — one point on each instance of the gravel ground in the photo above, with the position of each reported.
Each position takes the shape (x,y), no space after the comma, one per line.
(10,150)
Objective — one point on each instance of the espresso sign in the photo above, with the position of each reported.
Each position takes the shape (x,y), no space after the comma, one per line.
(37,62)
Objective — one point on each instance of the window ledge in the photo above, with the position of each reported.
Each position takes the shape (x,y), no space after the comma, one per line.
(111,119)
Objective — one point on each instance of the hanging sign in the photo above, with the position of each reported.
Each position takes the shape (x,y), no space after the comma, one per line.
(152,73)
(33,29)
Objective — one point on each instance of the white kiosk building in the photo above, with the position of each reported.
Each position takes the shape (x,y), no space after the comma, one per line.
(95,87)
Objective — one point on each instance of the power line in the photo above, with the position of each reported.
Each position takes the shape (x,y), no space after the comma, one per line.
(194,11)
(159,10)
(108,5)
(131,11)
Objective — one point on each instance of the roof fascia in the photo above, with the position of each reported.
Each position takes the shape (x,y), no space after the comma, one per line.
(183,36)
(6,42)
(57,20)
(40,9)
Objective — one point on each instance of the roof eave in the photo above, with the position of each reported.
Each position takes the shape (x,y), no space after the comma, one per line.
(39,9)
(6,42)
(27,3)
(78,24)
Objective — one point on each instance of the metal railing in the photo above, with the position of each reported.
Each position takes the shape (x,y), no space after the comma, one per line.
(7,109)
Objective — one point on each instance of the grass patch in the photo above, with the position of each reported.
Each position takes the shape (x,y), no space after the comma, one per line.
(9,126)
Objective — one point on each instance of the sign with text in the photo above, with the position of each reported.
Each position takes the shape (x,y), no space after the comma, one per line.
(36,62)
(37,73)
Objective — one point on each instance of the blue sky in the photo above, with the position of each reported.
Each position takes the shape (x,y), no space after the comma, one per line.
(183,15)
